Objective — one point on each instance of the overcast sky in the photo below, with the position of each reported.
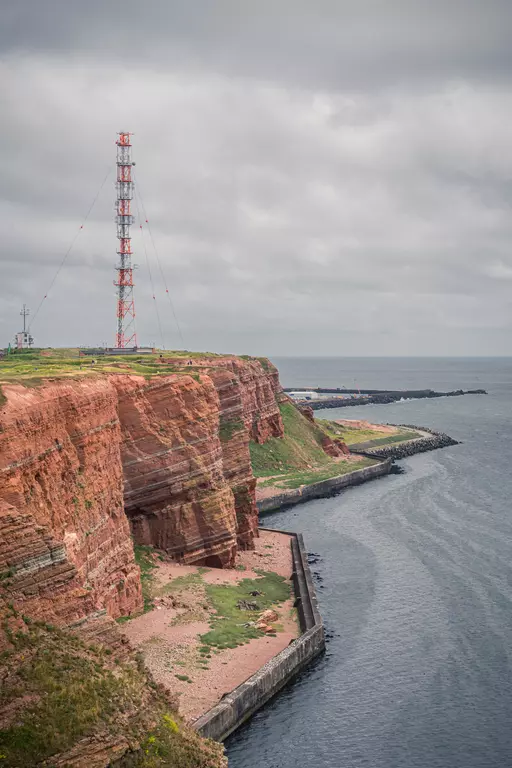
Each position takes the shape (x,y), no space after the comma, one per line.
(322,177)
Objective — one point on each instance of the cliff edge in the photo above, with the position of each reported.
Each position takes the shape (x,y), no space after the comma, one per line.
(96,456)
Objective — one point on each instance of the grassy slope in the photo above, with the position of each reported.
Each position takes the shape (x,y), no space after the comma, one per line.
(298,458)
(69,691)
(354,436)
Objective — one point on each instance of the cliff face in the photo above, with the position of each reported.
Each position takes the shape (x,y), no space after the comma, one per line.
(259,387)
(176,495)
(82,461)
(65,544)
(236,459)
(85,464)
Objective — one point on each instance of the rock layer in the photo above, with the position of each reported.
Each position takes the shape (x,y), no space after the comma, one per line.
(83,460)
(176,495)
(236,459)
(64,538)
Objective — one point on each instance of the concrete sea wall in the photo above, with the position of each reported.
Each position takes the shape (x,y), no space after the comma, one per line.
(239,705)
(324,487)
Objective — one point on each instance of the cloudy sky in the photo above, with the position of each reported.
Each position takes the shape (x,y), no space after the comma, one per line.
(322,177)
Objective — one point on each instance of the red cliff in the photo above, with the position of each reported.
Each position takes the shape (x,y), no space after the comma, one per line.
(84,460)
(176,495)
(64,538)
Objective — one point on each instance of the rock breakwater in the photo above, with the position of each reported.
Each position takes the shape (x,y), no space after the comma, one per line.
(429,442)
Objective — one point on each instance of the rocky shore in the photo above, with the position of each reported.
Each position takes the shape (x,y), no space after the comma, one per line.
(430,441)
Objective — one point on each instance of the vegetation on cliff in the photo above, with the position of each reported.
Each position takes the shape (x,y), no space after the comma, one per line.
(62,698)
(298,458)
(300,448)
(30,367)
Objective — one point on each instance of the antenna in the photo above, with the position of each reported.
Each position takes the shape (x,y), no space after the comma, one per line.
(24,313)
(126,335)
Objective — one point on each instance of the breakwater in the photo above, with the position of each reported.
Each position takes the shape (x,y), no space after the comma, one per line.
(429,442)
(324,488)
(239,705)
(375,396)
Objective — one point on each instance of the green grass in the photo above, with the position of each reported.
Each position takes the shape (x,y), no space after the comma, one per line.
(404,435)
(57,689)
(296,479)
(181,583)
(183,678)
(355,436)
(300,448)
(228,624)
(144,559)
(169,745)
(32,367)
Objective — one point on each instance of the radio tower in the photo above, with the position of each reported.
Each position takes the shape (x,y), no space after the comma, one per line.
(126,335)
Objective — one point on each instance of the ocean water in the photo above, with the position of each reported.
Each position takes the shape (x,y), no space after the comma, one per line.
(415,586)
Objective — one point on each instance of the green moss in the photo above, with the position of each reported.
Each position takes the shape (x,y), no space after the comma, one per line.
(228,428)
(229,624)
(144,557)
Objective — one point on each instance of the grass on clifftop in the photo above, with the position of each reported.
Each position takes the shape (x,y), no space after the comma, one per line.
(31,367)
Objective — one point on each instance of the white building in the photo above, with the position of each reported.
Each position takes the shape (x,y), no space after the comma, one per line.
(23,340)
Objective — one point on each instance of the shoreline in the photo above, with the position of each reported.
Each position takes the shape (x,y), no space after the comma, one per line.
(243,702)
(430,440)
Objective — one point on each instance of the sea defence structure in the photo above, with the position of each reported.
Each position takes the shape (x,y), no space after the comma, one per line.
(236,707)
(428,441)
(324,488)
(344,398)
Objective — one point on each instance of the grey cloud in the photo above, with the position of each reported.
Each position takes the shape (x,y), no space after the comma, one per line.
(325,178)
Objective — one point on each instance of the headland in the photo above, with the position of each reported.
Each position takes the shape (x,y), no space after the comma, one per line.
(132,565)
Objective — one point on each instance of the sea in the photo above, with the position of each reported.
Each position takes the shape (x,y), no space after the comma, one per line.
(414,580)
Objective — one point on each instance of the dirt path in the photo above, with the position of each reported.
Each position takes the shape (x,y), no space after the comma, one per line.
(169,635)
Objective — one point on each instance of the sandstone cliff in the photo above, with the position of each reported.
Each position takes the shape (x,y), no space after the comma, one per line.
(65,543)
(176,495)
(89,463)
(79,458)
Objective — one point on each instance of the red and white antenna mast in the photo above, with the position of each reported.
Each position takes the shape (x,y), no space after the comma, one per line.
(126,335)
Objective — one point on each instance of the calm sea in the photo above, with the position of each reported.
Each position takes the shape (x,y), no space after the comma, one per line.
(415,587)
